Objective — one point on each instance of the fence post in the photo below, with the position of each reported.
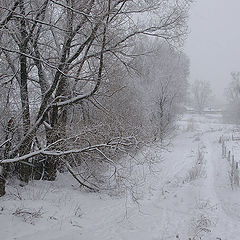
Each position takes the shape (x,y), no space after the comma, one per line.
(236,175)
(223,149)
(232,172)
(232,161)
(232,166)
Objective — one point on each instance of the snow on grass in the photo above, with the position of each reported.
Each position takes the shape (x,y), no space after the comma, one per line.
(186,196)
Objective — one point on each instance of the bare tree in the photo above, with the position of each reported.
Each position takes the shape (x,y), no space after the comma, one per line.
(233,91)
(163,80)
(201,94)
(232,111)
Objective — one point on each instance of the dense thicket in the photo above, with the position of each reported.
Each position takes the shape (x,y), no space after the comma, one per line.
(80,86)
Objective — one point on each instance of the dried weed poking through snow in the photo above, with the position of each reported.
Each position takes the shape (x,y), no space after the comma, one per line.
(32,191)
(201,226)
(204,220)
(28,215)
(197,170)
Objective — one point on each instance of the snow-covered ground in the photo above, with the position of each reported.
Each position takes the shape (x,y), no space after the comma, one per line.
(188,197)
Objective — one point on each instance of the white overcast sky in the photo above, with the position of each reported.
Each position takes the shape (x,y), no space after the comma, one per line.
(213,45)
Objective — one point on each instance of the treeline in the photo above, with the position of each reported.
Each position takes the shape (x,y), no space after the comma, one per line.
(231,111)
(85,82)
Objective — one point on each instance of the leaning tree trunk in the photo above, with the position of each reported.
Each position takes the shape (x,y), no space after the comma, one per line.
(58,117)
(58,132)
(58,123)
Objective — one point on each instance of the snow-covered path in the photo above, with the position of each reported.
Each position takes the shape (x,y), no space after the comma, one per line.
(203,208)
(217,224)
(220,193)
(185,200)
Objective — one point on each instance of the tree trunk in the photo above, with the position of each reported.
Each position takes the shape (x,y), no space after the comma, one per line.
(59,116)
(25,170)
(2,182)
(58,123)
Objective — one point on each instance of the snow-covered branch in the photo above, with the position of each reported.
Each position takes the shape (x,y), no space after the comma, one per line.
(59,153)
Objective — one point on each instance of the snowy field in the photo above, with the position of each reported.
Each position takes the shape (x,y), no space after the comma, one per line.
(188,196)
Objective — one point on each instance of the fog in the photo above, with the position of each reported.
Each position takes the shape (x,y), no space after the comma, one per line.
(102,136)
(213,42)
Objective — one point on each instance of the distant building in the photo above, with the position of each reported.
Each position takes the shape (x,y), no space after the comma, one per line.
(207,110)
(188,109)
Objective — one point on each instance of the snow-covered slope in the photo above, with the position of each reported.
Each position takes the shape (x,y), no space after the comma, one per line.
(188,197)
